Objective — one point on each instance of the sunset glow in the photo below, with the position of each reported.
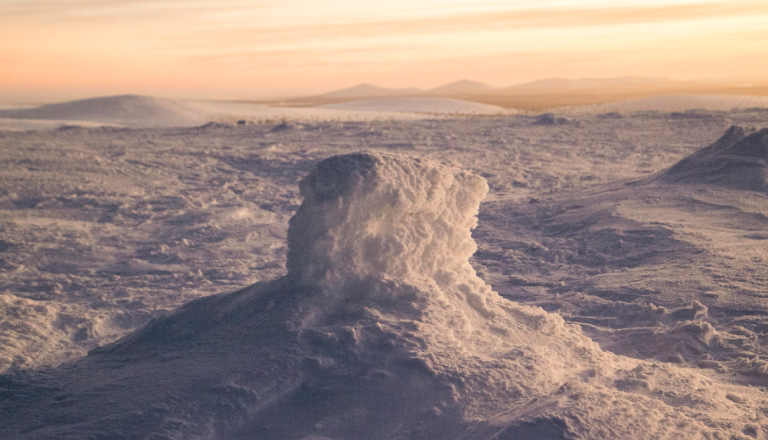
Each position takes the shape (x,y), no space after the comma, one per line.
(248,49)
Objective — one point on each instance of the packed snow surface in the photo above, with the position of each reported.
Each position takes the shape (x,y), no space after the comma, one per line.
(421,105)
(380,329)
(739,159)
(106,230)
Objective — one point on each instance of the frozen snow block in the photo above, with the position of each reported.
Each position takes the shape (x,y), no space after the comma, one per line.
(384,214)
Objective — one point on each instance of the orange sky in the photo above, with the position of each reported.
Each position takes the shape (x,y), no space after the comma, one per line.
(244,49)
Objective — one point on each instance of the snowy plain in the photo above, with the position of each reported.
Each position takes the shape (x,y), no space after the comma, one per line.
(104,228)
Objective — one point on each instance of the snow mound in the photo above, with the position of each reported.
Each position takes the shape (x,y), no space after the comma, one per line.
(672,103)
(420,105)
(739,159)
(131,110)
(380,330)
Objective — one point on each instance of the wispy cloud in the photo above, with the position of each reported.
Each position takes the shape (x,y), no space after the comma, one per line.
(346,16)
(62,11)
(179,38)
(344,29)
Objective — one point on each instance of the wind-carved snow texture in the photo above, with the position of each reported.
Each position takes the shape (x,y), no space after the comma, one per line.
(738,160)
(380,330)
(388,240)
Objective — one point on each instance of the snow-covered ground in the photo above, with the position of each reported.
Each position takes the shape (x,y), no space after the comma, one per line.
(103,229)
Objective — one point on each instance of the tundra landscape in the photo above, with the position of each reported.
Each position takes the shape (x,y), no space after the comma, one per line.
(473,273)
(400,220)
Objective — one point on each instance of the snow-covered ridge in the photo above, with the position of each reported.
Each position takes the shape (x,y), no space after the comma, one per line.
(739,159)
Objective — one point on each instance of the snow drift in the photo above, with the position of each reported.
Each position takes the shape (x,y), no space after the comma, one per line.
(739,159)
(132,110)
(380,330)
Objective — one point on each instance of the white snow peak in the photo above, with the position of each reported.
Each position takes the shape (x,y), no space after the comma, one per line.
(371,214)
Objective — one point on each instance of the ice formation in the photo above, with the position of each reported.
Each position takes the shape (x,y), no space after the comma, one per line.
(382,330)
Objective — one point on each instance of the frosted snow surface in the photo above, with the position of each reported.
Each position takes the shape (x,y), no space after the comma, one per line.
(380,330)
(739,159)
(421,105)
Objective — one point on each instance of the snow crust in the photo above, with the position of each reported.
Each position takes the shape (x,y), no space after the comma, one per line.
(378,269)
(382,329)
(386,239)
(739,159)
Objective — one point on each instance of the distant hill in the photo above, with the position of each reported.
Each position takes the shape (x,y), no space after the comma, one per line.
(370,91)
(625,84)
(366,91)
(463,87)
(540,95)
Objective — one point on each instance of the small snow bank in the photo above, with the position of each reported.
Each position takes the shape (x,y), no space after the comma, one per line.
(739,159)
(437,106)
(129,110)
(380,330)
(672,103)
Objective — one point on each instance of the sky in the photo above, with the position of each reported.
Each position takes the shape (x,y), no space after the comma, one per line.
(260,48)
